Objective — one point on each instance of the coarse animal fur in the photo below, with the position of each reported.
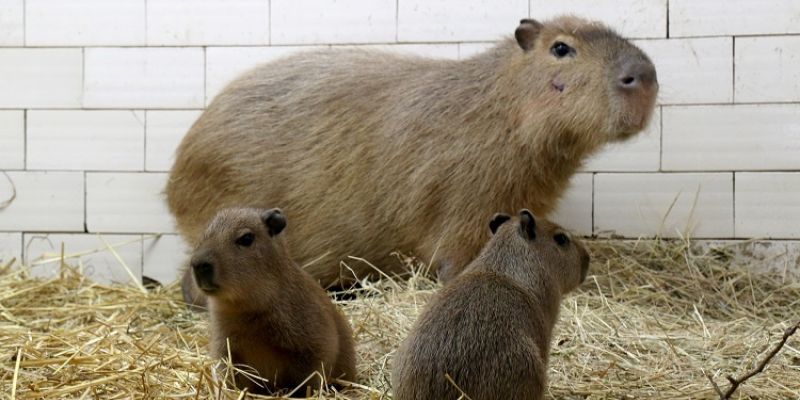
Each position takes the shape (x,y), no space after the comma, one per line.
(274,316)
(372,153)
(487,333)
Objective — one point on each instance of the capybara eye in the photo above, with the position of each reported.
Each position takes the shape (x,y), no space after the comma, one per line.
(561,239)
(561,49)
(245,240)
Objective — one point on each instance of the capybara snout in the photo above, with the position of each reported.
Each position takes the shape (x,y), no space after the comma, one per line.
(637,74)
(204,276)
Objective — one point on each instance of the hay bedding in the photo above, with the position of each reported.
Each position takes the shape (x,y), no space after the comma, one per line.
(651,320)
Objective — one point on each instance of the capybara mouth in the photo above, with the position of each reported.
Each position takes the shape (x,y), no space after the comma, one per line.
(208,287)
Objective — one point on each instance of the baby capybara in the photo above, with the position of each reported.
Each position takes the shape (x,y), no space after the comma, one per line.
(376,153)
(487,332)
(275,316)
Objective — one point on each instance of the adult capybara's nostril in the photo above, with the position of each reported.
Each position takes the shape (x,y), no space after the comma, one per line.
(637,74)
(204,275)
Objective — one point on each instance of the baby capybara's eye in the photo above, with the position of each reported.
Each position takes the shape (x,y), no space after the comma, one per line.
(561,239)
(561,49)
(245,240)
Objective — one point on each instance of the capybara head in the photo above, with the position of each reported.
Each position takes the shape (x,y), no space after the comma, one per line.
(240,248)
(538,243)
(587,77)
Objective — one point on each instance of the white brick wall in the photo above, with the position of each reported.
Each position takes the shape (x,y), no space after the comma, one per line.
(12,139)
(768,68)
(12,27)
(41,78)
(631,18)
(10,248)
(85,140)
(733,17)
(95,96)
(207,22)
(342,21)
(126,202)
(84,22)
(165,129)
(458,21)
(88,251)
(144,78)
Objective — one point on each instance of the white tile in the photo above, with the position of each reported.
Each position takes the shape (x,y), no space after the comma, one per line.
(85,140)
(12,29)
(341,21)
(692,70)
(127,203)
(144,78)
(768,204)
(84,22)
(455,21)
(650,204)
(732,17)
(639,153)
(731,137)
(10,248)
(776,256)
(467,50)
(768,68)
(45,201)
(574,210)
(203,22)
(87,252)
(224,64)
(12,139)
(443,51)
(40,78)
(165,129)
(631,18)
(164,258)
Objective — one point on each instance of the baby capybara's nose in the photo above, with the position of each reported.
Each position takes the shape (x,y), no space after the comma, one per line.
(204,275)
(637,74)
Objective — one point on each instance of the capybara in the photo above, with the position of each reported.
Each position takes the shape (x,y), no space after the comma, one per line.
(487,332)
(373,153)
(275,316)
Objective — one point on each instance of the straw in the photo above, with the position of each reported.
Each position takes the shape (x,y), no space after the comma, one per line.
(654,319)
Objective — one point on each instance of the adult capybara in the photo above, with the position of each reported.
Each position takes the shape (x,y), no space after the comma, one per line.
(373,153)
(487,333)
(270,314)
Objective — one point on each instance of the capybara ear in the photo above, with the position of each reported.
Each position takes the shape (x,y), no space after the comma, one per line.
(274,220)
(528,224)
(497,220)
(526,33)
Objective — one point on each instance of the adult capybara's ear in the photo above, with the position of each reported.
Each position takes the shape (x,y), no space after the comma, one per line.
(497,220)
(274,220)
(526,33)
(527,224)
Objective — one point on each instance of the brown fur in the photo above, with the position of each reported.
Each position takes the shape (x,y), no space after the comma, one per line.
(489,329)
(374,153)
(276,317)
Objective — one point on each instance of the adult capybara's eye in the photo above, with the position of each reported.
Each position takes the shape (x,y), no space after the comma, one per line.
(245,240)
(561,49)
(561,239)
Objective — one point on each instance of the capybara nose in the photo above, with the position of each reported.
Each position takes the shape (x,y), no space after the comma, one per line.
(637,74)
(204,275)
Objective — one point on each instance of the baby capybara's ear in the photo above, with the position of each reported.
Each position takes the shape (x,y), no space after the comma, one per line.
(527,224)
(527,32)
(274,220)
(497,220)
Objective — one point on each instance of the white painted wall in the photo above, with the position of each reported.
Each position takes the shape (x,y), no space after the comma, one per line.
(96,94)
